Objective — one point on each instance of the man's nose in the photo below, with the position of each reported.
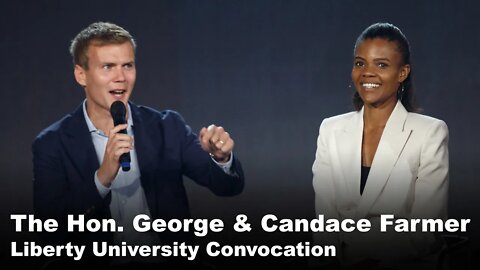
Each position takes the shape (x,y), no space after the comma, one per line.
(119,75)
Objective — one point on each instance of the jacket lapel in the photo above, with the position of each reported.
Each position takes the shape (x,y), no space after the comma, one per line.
(147,142)
(349,147)
(389,149)
(79,146)
(147,145)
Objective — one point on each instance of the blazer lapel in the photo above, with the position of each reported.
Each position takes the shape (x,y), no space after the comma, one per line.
(349,147)
(79,146)
(147,146)
(389,149)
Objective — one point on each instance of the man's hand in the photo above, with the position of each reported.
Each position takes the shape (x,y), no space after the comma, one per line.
(216,141)
(117,144)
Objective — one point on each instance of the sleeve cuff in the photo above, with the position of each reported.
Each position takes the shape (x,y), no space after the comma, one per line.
(103,190)
(225,166)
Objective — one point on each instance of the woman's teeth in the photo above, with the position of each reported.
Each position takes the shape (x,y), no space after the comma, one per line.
(370,85)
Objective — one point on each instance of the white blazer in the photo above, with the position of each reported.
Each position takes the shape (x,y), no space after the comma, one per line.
(408,178)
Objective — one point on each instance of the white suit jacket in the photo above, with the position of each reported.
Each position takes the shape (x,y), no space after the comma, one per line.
(408,178)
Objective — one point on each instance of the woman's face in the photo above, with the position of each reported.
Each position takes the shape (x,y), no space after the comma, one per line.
(378,71)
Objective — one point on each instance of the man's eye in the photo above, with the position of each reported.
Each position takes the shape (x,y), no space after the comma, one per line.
(107,67)
(128,66)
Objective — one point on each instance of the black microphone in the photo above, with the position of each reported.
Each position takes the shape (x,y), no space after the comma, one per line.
(118,112)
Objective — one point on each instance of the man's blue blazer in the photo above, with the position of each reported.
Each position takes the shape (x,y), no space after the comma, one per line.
(65,161)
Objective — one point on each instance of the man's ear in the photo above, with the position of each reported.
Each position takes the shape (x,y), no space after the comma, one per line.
(80,75)
(404,73)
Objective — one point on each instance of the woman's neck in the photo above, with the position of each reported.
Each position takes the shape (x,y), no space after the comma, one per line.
(376,117)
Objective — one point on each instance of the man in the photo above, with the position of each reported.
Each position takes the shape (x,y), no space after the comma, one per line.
(76,160)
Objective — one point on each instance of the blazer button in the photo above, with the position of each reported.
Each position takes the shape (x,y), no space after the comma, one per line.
(90,210)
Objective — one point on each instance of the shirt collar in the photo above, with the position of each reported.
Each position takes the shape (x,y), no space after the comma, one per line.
(91,126)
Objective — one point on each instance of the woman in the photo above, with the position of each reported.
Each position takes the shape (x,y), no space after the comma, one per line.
(383,158)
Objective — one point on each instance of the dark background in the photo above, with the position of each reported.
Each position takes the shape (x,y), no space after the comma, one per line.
(268,71)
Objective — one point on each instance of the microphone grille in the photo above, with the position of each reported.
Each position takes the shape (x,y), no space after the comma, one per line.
(117,109)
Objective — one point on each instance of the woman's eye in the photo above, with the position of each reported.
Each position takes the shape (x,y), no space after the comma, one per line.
(382,65)
(358,64)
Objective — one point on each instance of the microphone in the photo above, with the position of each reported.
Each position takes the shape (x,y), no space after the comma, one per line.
(118,111)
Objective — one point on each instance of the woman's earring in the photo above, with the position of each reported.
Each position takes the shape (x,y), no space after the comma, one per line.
(400,92)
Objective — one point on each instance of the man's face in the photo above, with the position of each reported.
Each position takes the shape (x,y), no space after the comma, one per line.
(110,76)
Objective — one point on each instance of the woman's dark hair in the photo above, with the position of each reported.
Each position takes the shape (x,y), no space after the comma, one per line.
(391,33)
